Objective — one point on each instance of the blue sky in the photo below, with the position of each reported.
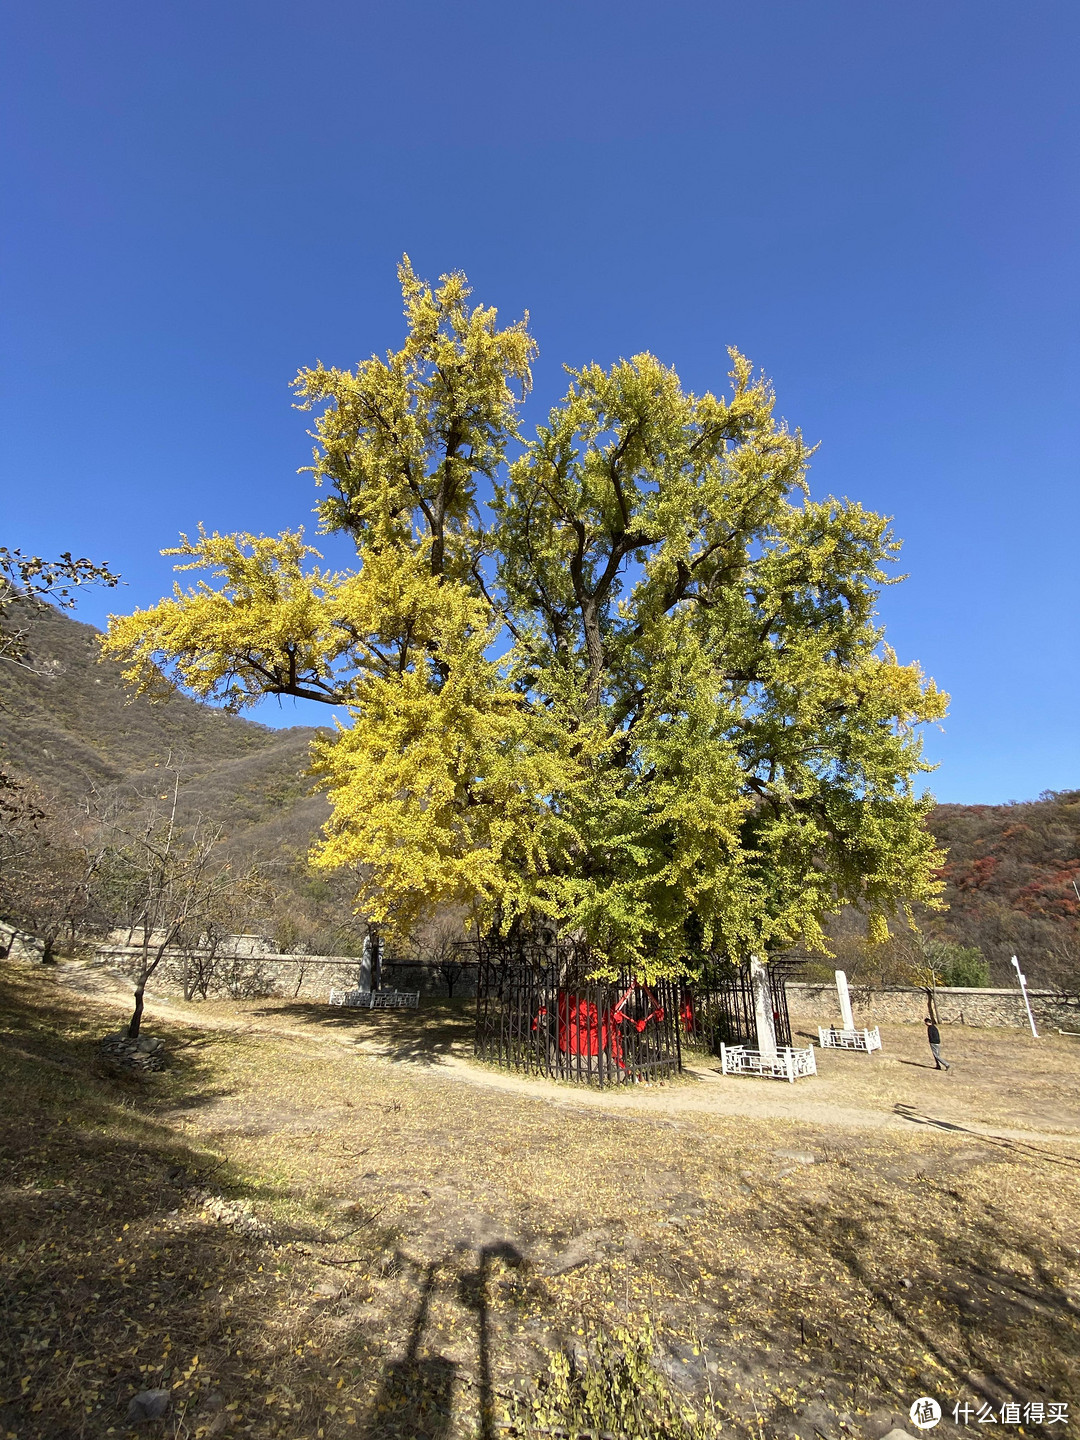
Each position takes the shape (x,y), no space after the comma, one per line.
(877,203)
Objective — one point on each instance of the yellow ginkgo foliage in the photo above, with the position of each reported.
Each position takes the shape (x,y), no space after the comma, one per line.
(622,679)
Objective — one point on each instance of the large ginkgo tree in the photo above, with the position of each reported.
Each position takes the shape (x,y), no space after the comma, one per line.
(622,679)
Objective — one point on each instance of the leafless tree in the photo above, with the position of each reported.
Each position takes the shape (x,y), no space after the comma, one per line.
(165,886)
(46,869)
(438,944)
(203,960)
(48,866)
(21,819)
(27,582)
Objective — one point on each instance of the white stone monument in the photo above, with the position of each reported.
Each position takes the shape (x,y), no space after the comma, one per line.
(764,1020)
(1023,989)
(846,1017)
(768,1060)
(847,1037)
(369,994)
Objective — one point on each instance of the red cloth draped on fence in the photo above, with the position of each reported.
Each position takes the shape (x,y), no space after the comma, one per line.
(655,1010)
(585,1028)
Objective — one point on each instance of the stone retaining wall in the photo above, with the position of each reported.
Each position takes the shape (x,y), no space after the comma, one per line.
(817,1002)
(302,977)
(311,977)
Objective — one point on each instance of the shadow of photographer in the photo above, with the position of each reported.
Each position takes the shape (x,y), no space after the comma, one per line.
(416,1396)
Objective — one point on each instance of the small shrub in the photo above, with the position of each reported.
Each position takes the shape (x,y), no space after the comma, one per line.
(245,978)
(614,1389)
(964,965)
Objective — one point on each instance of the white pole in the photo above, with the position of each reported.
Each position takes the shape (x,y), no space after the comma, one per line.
(1023,991)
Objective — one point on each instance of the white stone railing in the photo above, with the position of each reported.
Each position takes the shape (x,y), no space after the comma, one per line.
(788,1063)
(376,999)
(830,1038)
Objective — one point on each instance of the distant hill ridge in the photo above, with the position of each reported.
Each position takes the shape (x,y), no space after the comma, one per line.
(71,725)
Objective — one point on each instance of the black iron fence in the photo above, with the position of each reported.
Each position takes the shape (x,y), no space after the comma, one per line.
(538,1010)
(719,1010)
(549,1019)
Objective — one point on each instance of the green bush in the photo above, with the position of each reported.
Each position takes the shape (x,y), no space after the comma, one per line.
(963,965)
(612,1388)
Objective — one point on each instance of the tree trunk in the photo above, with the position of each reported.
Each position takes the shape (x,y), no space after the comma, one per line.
(376,960)
(594,647)
(148,967)
(931,1005)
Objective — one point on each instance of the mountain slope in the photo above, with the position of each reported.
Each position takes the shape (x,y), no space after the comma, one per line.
(70,724)
(1009,882)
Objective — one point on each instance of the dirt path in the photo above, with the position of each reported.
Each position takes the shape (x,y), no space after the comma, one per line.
(745,1097)
(899,1091)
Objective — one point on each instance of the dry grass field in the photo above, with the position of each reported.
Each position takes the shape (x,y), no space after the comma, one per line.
(334,1224)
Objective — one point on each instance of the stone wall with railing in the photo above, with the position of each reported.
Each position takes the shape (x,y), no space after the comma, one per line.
(817,1002)
(301,977)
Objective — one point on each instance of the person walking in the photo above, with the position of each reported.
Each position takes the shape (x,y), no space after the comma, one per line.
(933,1034)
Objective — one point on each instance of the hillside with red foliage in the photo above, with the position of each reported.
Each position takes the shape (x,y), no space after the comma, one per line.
(1010,879)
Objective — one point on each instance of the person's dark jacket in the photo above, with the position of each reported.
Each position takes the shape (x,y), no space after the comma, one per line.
(933,1034)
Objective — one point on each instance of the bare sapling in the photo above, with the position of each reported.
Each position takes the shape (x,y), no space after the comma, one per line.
(169,885)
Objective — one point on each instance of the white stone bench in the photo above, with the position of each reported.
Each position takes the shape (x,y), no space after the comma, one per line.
(376,999)
(833,1039)
(788,1064)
